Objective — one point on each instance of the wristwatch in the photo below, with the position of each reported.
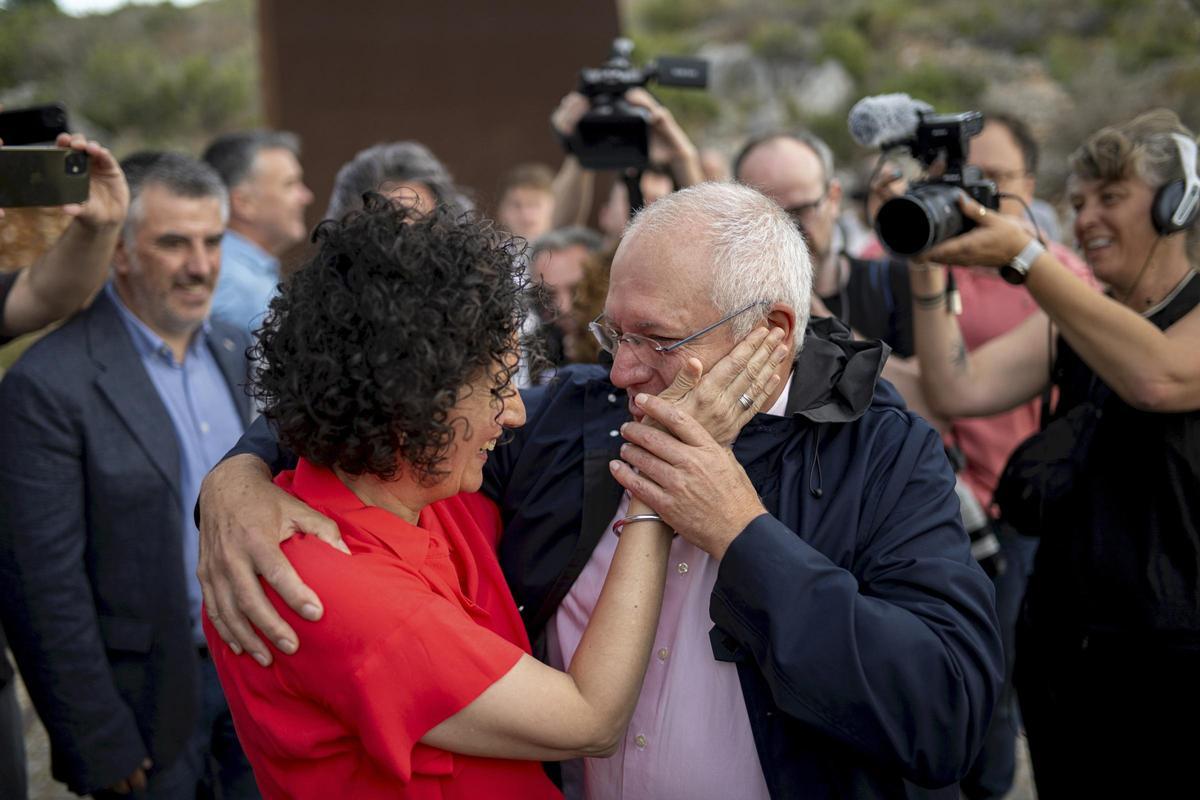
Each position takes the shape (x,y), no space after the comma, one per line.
(1017,270)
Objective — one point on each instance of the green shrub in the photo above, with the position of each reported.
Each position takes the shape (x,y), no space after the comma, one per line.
(693,108)
(775,40)
(845,44)
(945,88)
(676,15)
(28,51)
(1067,56)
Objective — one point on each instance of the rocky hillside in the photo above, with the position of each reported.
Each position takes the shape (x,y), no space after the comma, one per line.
(167,76)
(1067,66)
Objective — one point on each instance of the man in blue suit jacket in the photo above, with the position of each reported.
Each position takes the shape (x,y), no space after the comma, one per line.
(55,286)
(106,428)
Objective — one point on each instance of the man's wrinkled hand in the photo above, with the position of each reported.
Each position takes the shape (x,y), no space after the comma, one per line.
(135,782)
(714,400)
(243,519)
(693,482)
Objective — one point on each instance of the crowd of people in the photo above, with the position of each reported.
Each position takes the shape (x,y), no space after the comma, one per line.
(720,499)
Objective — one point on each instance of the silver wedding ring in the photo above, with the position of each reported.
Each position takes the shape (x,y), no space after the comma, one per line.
(745,401)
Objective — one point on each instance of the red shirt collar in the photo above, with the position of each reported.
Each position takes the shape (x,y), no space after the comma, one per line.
(359,523)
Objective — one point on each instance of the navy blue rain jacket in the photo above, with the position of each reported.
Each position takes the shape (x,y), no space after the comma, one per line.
(864,632)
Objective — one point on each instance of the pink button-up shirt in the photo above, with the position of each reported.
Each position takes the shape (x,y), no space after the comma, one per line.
(690,734)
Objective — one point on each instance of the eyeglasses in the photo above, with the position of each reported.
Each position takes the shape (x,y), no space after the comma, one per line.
(999,176)
(802,210)
(609,338)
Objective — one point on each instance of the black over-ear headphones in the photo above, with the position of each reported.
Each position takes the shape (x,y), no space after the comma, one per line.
(1177,203)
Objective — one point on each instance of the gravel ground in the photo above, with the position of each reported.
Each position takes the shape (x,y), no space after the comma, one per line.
(43,787)
(37,755)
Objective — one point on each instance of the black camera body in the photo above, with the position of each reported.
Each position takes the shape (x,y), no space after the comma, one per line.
(928,212)
(613,134)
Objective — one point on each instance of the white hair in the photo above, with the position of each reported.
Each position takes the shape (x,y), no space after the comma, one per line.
(758,253)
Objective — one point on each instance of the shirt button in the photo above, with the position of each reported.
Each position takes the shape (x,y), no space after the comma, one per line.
(612,398)
(614,433)
(681,568)
(663,653)
(204,427)
(640,741)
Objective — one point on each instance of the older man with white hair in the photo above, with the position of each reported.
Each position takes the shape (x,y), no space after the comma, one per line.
(825,631)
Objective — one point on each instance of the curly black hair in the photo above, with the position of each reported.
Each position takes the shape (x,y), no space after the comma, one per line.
(369,344)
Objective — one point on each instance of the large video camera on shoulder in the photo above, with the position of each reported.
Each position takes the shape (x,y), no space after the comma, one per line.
(614,134)
(928,212)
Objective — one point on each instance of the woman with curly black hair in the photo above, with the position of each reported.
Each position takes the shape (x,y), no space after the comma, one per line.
(385,364)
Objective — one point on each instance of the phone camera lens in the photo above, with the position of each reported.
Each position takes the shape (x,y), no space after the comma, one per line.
(76,162)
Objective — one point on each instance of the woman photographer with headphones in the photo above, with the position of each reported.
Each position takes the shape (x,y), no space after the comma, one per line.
(1108,654)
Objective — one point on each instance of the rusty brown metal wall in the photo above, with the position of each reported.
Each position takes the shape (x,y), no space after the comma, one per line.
(473,80)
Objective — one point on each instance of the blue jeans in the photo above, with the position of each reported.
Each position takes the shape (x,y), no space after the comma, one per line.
(212,765)
(991,775)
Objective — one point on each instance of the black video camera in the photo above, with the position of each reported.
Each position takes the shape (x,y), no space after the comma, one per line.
(928,212)
(614,134)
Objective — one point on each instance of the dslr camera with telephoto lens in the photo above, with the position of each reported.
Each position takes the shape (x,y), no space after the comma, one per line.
(928,212)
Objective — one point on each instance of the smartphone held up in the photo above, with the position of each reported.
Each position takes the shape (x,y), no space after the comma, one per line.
(39,175)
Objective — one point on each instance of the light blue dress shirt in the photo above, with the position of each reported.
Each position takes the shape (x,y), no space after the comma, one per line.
(249,279)
(206,421)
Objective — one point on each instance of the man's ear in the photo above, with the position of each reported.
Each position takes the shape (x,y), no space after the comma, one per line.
(243,203)
(120,260)
(835,196)
(781,315)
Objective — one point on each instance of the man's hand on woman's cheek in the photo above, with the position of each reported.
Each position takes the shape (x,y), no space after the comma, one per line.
(694,483)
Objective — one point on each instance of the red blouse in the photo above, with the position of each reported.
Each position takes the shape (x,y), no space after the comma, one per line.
(418,622)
